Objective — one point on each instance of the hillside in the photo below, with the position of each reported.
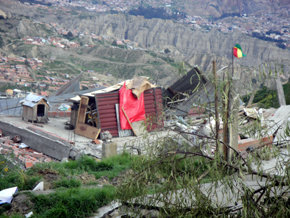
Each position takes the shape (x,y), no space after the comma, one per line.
(184,43)
(193,46)
(97,56)
(218,8)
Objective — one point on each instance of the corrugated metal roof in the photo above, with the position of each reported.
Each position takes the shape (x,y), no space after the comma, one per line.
(187,84)
(31,100)
(203,96)
(105,103)
(107,89)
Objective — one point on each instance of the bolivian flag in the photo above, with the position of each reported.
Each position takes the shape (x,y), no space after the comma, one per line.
(237,51)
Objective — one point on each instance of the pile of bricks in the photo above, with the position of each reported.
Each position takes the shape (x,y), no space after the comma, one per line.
(25,156)
(254,143)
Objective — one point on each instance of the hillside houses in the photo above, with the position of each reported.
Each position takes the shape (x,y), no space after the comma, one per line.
(52,41)
(18,71)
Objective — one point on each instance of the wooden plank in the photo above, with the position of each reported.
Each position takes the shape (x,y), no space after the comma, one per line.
(83,109)
(128,121)
(87,131)
(139,128)
(121,132)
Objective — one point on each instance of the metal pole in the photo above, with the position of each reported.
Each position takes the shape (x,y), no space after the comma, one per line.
(217,123)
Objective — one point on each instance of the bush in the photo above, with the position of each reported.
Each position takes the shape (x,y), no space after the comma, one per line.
(264,97)
(18,178)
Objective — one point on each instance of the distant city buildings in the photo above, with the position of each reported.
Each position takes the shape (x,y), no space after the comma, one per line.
(245,23)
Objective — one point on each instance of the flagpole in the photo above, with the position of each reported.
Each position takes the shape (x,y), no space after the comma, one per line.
(232,62)
(226,133)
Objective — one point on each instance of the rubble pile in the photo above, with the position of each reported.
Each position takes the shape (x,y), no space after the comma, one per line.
(21,152)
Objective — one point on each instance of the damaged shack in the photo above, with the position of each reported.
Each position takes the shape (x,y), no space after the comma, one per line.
(117,109)
(35,108)
(189,92)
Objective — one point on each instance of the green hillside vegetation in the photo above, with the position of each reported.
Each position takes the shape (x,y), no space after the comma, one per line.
(80,187)
(78,191)
(266,98)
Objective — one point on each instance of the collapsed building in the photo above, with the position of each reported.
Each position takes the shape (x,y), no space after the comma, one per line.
(95,113)
(101,109)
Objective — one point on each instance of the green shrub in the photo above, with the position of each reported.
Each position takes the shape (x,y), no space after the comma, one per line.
(18,178)
(264,97)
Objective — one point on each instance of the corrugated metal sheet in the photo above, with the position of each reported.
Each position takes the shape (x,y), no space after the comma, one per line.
(31,100)
(105,103)
(187,83)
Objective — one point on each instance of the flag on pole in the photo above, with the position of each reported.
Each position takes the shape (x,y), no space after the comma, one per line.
(237,51)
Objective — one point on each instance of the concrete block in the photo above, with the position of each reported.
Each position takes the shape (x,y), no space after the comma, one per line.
(46,144)
(109,149)
(3,139)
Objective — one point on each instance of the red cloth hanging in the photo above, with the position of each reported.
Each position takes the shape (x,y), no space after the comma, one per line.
(133,107)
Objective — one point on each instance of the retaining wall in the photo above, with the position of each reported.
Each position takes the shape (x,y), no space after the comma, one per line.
(48,145)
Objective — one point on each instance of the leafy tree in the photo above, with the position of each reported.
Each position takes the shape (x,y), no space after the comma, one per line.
(180,176)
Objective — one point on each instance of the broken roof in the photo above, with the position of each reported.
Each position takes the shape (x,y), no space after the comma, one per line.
(188,83)
(192,89)
(31,100)
(129,83)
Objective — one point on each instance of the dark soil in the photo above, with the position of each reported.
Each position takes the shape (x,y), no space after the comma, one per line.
(21,204)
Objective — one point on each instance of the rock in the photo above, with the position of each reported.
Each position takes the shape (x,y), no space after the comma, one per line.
(64,160)
(75,154)
(106,136)
(17,139)
(3,139)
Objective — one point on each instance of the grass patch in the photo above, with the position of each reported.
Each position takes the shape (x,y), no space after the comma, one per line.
(119,164)
(26,180)
(18,178)
(67,183)
(73,202)
(110,167)
(70,199)
(11,176)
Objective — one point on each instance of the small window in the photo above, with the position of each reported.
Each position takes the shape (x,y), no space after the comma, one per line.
(40,110)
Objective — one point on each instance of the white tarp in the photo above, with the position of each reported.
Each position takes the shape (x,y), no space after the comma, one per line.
(279,121)
(6,195)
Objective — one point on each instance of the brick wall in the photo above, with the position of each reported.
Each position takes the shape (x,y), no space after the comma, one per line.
(54,114)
